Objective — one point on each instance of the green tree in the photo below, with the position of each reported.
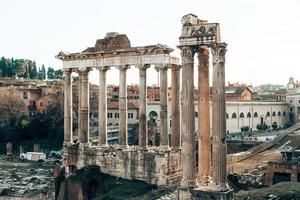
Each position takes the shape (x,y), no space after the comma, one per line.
(43,72)
(50,73)
(33,72)
(58,74)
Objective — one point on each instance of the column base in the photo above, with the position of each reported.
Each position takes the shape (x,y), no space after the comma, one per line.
(123,146)
(145,148)
(164,149)
(188,185)
(102,147)
(205,181)
(208,194)
(176,148)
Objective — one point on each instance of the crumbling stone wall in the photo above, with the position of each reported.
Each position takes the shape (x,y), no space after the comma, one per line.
(150,166)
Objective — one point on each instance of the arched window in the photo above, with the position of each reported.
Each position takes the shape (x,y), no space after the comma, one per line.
(284,113)
(242,115)
(279,113)
(227,116)
(233,115)
(274,114)
(268,114)
(255,114)
(248,115)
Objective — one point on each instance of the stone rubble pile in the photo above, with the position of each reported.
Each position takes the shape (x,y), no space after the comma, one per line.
(24,182)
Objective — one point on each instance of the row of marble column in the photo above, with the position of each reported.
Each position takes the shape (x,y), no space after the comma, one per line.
(83,107)
(212,144)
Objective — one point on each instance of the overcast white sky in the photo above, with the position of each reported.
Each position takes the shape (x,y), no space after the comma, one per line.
(263,36)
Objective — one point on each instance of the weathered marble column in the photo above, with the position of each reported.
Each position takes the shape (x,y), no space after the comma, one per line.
(143,129)
(204,117)
(84,106)
(175,108)
(123,107)
(219,117)
(78,106)
(188,154)
(163,93)
(102,107)
(68,106)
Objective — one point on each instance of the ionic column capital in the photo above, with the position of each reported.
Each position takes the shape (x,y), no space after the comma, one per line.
(218,51)
(123,67)
(161,67)
(175,67)
(187,54)
(103,68)
(143,67)
(67,70)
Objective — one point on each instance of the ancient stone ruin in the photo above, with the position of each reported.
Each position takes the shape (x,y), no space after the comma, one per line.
(172,163)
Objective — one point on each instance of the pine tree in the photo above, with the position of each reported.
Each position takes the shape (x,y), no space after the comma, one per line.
(43,72)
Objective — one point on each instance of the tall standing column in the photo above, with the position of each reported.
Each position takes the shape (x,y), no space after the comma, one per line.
(204,117)
(68,106)
(143,129)
(163,93)
(123,107)
(84,106)
(175,106)
(102,107)
(219,117)
(188,154)
(78,106)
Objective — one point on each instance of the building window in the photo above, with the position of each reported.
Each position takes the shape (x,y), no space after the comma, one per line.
(130,115)
(291,101)
(291,109)
(116,115)
(233,116)
(284,113)
(274,114)
(41,103)
(279,113)
(248,114)
(227,116)
(242,115)
(255,114)
(25,95)
(299,101)
(109,115)
(268,114)
(196,114)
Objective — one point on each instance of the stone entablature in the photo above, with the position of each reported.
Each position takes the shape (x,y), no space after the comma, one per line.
(196,32)
(135,56)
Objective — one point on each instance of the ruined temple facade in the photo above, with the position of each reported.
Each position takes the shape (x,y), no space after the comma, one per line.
(173,162)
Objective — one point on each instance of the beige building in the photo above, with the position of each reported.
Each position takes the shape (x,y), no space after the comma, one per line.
(240,114)
(293,98)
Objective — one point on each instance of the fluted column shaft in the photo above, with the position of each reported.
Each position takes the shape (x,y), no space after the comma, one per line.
(188,154)
(84,106)
(219,117)
(143,129)
(102,107)
(163,93)
(204,117)
(123,107)
(68,106)
(175,108)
